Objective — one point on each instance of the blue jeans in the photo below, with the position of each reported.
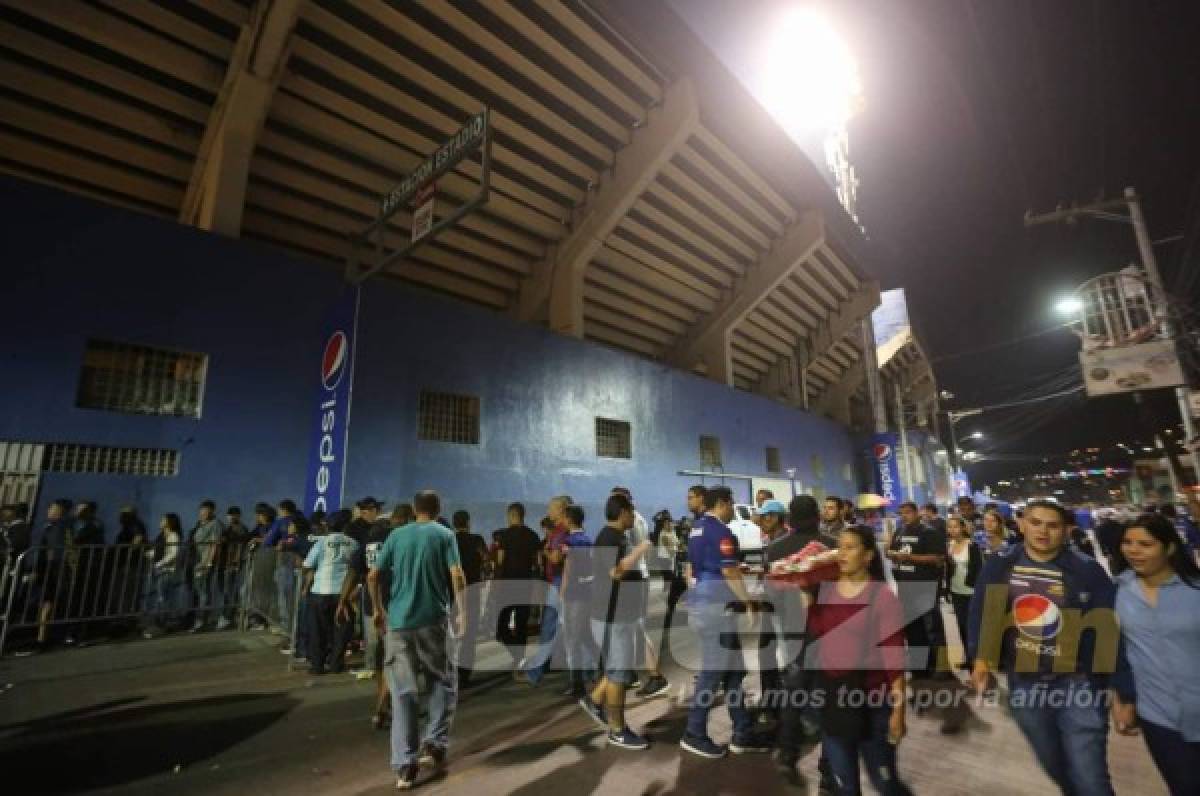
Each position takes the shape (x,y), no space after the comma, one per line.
(878,755)
(285,583)
(411,653)
(1175,757)
(720,664)
(1065,720)
(549,631)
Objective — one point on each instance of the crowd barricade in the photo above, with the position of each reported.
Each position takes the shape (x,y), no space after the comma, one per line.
(81,590)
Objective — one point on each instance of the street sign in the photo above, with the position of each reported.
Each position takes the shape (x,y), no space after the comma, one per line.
(423,212)
(369,252)
(1146,366)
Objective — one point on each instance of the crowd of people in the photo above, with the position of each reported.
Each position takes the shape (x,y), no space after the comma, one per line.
(851,609)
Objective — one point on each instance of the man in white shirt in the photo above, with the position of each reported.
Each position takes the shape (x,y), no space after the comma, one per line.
(656,683)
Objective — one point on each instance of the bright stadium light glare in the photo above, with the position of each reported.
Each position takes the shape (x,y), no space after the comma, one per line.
(977,435)
(1069,306)
(808,78)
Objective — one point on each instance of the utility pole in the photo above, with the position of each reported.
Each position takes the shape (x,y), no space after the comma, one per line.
(1132,205)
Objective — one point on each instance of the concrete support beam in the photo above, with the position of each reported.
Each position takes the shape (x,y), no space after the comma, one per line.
(781,382)
(798,243)
(835,401)
(846,318)
(216,192)
(555,289)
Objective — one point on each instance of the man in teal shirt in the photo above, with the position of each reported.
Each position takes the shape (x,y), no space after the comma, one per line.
(426,583)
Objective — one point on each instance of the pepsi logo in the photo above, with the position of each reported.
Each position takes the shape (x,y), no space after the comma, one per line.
(333,362)
(883,451)
(1037,617)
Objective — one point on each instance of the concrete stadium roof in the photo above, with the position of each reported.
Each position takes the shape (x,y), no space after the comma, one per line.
(639,196)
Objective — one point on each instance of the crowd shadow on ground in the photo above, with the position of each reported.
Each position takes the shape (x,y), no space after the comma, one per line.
(122,741)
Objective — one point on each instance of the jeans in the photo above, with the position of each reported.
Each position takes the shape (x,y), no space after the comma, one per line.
(465,649)
(164,597)
(721,664)
(1065,720)
(878,755)
(1175,758)
(617,641)
(581,651)
(205,595)
(549,632)
(411,654)
(962,608)
(285,584)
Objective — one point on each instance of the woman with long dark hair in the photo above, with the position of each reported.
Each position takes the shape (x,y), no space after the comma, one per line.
(963,562)
(858,649)
(1158,603)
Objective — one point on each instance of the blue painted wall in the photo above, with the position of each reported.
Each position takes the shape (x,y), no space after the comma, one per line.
(75,269)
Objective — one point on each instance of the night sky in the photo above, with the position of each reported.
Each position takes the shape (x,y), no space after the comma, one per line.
(975,112)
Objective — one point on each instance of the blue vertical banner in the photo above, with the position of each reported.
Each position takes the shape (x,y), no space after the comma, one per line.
(962,484)
(885,452)
(327,454)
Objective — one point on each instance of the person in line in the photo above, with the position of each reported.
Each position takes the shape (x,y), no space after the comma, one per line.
(831,521)
(972,517)
(695,501)
(203,542)
(672,559)
(857,650)
(426,584)
(995,534)
(325,569)
(554,526)
(575,596)
(718,595)
(294,549)
(366,516)
(472,552)
(761,497)
(930,516)
(1158,603)
(230,564)
(918,555)
(963,562)
(772,657)
(167,575)
(85,559)
(656,683)
(285,577)
(261,591)
(516,559)
(1057,689)
(618,603)
(355,599)
(128,576)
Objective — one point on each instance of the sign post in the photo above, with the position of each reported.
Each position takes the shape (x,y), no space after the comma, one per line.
(418,188)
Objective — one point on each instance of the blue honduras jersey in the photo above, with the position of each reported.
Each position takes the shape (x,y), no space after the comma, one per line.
(711,548)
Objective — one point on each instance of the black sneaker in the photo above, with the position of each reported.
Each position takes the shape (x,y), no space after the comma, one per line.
(750,743)
(628,739)
(431,756)
(594,711)
(701,746)
(654,686)
(407,776)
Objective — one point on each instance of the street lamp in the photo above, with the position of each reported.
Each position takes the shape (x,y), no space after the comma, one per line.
(977,435)
(1071,305)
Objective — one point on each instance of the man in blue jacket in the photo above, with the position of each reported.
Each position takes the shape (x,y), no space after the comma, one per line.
(1045,615)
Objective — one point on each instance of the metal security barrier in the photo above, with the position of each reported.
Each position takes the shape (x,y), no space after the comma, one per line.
(75,590)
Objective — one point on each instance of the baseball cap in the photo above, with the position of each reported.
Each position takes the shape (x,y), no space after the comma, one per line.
(368,503)
(773,507)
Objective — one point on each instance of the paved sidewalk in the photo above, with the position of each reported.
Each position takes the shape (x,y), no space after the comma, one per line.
(218,714)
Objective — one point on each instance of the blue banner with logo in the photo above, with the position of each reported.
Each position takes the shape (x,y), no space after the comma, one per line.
(885,462)
(962,484)
(327,454)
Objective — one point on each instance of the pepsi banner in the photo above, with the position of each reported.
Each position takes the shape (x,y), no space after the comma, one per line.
(885,464)
(327,454)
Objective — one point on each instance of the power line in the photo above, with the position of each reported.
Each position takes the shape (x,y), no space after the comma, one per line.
(1001,344)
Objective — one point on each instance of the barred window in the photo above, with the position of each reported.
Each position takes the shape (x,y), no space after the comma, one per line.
(613,439)
(121,377)
(446,417)
(72,458)
(710,451)
(773,465)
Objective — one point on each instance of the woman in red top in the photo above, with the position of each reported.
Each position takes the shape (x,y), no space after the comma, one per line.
(857,628)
